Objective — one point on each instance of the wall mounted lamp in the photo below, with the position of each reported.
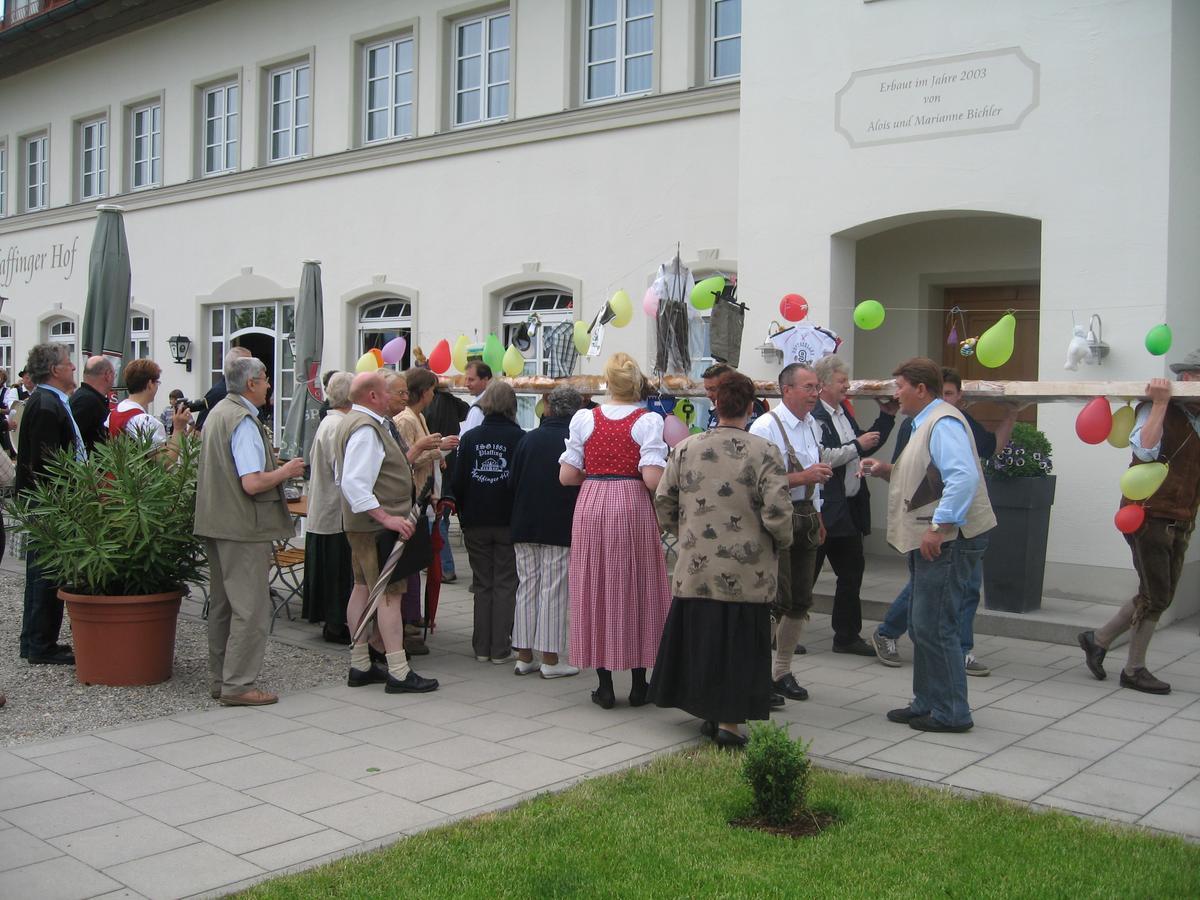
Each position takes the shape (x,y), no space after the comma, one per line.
(180,347)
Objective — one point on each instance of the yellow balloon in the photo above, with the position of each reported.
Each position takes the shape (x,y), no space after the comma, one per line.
(539,408)
(622,307)
(582,338)
(995,346)
(514,362)
(1140,481)
(1122,424)
(366,363)
(458,354)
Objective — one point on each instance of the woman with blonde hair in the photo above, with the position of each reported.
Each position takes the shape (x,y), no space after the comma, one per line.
(618,577)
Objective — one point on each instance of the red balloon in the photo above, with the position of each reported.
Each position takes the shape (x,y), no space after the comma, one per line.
(439,359)
(1094,421)
(793,307)
(1129,518)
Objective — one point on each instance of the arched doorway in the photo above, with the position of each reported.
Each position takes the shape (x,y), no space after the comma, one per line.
(264,328)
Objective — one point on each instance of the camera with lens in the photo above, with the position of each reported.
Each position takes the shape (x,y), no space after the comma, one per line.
(193,405)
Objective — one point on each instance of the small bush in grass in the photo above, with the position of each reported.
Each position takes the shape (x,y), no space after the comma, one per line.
(777,769)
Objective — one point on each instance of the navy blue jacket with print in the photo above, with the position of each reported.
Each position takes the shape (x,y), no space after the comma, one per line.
(481,476)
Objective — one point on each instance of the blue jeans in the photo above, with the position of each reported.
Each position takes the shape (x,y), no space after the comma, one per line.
(938,596)
(895,622)
(447,553)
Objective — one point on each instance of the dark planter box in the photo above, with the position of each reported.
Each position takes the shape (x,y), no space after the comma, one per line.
(1014,566)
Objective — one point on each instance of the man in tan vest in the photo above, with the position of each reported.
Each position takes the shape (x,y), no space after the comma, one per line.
(938,515)
(240,509)
(377,494)
(1169,432)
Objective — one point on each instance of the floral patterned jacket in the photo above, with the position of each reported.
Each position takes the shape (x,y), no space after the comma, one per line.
(725,494)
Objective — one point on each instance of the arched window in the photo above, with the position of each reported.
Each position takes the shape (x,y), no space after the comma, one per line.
(6,348)
(382,320)
(139,336)
(62,331)
(538,315)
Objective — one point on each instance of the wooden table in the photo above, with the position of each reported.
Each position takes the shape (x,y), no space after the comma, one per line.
(299,508)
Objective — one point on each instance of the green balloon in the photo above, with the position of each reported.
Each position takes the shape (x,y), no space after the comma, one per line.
(868,315)
(705,293)
(493,354)
(1158,339)
(995,346)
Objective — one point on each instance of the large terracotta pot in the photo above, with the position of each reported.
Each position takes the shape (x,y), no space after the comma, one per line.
(123,640)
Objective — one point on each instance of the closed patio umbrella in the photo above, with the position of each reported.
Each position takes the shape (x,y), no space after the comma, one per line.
(106,314)
(304,414)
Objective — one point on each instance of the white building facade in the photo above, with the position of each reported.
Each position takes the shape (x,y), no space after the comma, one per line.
(457,165)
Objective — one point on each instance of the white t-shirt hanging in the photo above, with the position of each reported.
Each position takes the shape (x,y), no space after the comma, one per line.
(805,344)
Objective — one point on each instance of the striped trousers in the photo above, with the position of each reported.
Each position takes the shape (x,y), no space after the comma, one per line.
(543,598)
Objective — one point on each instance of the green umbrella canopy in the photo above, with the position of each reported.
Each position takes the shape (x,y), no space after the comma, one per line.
(106,314)
(304,414)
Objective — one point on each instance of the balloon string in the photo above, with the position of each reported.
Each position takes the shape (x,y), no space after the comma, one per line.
(1036,312)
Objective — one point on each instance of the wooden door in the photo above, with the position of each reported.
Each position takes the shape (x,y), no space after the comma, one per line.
(981,308)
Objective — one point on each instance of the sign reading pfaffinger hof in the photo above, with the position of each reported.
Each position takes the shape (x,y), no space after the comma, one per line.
(976,92)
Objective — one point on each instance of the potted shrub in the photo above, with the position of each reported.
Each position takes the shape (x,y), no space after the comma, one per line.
(115,530)
(1021,488)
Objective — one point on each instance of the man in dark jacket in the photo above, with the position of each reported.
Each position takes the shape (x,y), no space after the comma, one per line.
(846,512)
(89,404)
(541,531)
(46,427)
(443,415)
(217,392)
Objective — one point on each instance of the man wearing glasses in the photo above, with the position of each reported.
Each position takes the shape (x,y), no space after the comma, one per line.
(791,428)
(47,426)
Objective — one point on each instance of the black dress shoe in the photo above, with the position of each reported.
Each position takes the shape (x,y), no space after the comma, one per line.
(789,687)
(777,701)
(1142,680)
(55,658)
(377,656)
(412,684)
(708,728)
(1093,654)
(376,674)
(604,698)
(903,716)
(858,647)
(800,650)
(637,697)
(728,740)
(929,723)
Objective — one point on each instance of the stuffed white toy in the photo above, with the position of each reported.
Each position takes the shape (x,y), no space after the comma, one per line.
(1078,350)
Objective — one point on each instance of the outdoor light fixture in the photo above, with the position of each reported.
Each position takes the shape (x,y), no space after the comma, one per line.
(1095,338)
(180,346)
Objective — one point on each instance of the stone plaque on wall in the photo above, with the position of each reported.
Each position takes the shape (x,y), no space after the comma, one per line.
(991,90)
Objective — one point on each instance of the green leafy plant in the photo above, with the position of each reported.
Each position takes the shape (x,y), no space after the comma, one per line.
(1027,455)
(118,523)
(777,769)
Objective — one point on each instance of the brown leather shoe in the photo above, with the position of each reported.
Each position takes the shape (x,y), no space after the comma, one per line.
(1142,680)
(1093,654)
(252,697)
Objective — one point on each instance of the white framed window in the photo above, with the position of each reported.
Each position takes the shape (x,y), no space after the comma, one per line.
(382,320)
(551,306)
(139,336)
(35,180)
(3,179)
(388,71)
(725,39)
(6,350)
(482,68)
(618,48)
(62,331)
(145,156)
(93,159)
(290,100)
(220,109)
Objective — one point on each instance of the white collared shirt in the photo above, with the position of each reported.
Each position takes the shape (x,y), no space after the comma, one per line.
(360,468)
(805,437)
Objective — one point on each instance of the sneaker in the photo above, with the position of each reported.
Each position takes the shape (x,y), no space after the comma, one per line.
(929,723)
(858,647)
(525,668)
(975,667)
(483,659)
(885,649)
(559,670)
(503,660)
(449,579)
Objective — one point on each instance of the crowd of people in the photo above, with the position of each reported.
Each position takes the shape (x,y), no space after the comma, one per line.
(562,527)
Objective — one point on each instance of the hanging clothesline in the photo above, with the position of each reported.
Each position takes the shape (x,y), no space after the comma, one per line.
(1008,309)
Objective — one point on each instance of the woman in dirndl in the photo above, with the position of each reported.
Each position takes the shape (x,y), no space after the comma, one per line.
(618,577)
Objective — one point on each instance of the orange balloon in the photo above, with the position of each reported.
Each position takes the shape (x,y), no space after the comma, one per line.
(1094,422)
(439,359)
(378,354)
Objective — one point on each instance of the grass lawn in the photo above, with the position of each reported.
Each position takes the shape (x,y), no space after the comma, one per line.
(662,831)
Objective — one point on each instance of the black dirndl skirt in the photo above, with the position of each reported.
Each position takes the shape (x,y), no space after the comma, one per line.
(328,580)
(714,660)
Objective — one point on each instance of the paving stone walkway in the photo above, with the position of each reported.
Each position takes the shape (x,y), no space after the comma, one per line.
(204,803)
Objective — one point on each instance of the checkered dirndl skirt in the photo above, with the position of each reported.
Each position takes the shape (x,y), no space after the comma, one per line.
(619,590)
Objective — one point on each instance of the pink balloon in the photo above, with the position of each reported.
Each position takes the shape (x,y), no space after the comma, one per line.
(674,430)
(393,350)
(650,302)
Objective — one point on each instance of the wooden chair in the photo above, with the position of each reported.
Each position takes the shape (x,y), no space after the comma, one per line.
(287,577)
